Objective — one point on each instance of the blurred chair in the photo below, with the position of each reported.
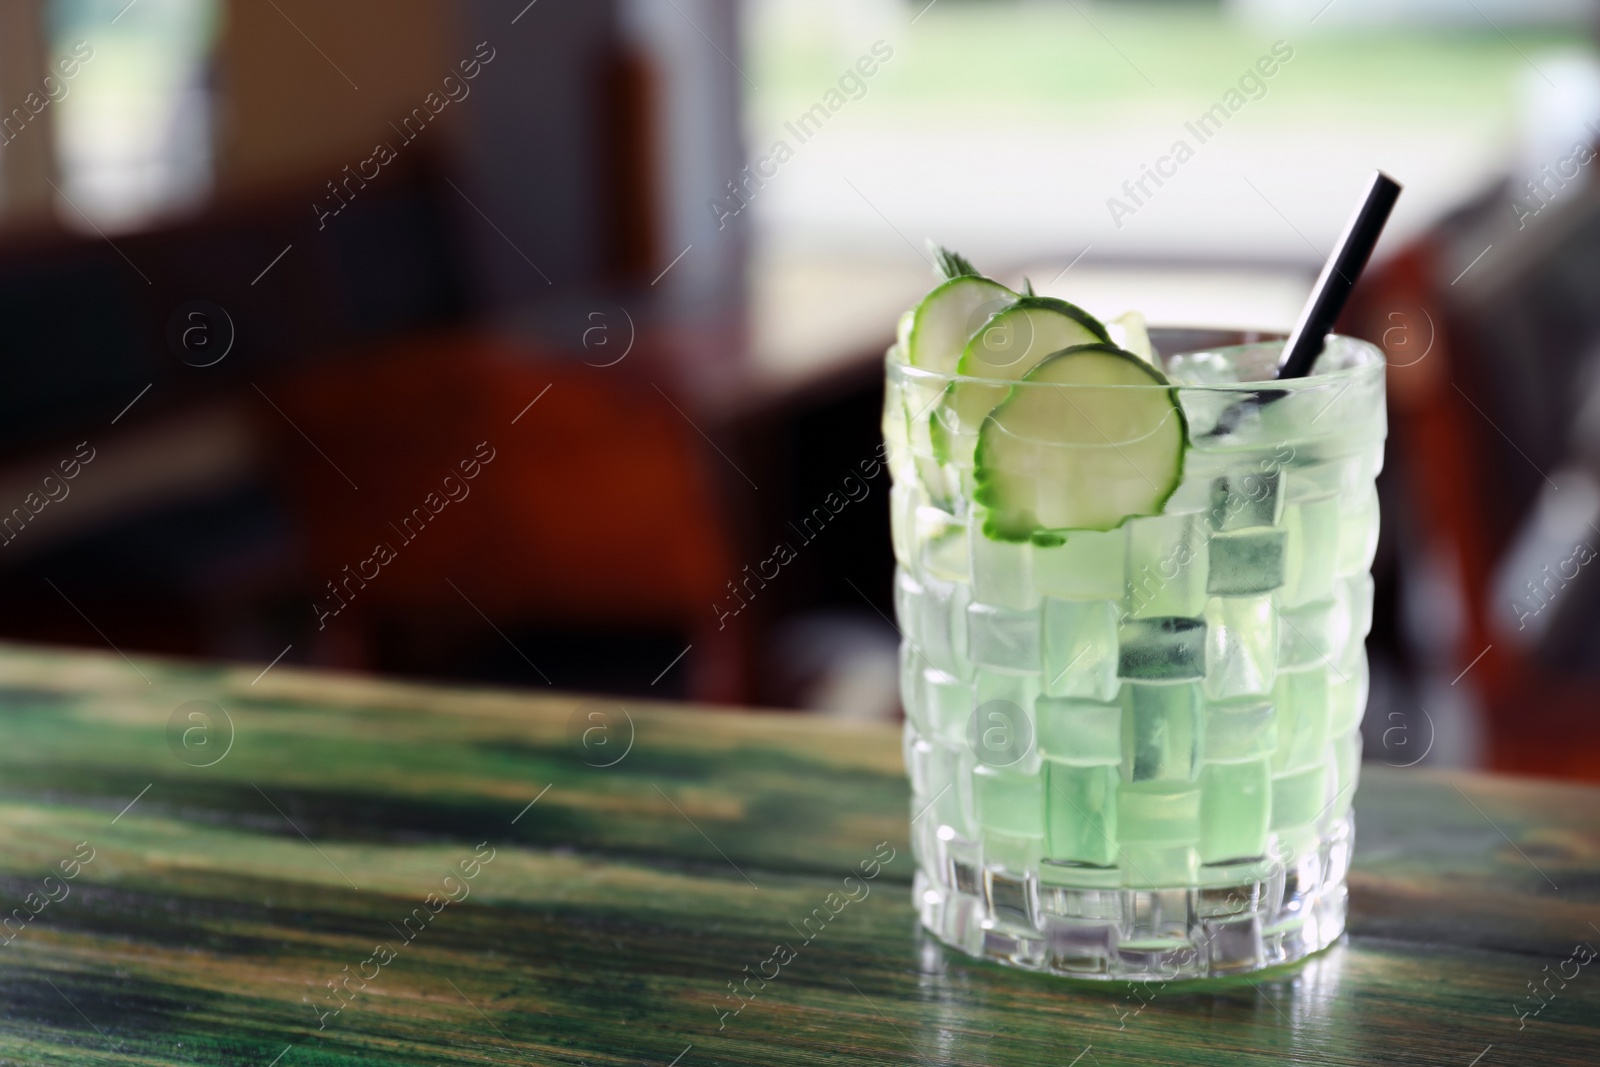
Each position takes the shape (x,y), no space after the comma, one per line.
(593,510)
(1492,331)
(173,539)
(595,514)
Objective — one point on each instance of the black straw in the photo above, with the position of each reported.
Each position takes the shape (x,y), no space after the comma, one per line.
(1338,277)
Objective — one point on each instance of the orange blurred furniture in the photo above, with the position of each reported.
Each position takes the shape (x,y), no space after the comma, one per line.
(1483,358)
(594,508)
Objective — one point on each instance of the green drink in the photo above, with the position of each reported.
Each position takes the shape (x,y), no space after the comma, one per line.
(1134,592)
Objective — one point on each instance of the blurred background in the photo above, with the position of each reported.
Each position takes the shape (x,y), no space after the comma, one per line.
(503,341)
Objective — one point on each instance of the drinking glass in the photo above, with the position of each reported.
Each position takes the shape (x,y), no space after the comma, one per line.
(1133,751)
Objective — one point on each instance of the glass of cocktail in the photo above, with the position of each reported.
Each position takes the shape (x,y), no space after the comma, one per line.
(1133,584)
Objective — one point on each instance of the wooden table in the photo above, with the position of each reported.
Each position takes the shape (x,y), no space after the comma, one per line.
(485,891)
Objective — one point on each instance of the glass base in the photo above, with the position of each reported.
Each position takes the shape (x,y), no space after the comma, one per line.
(1295,909)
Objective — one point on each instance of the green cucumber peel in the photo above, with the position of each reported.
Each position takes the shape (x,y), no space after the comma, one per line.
(1038,490)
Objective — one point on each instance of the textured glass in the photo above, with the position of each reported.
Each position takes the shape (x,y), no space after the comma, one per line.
(1132,751)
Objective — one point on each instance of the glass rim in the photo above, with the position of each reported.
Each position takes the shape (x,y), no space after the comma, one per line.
(1371,363)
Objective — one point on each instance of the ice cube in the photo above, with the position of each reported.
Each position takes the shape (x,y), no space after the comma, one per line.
(1157,812)
(1163,650)
(1167,564)
(1354,597)
(1002,572)
(1080,648)
(1310,551)
(908,605)
(989,684)
(1358,531)
(1235,808)
(1001,729)
(1009,802)
(893,419)
(1160,732)
(1224,420)
(941,540)
(966,792)
(1328,632)
(1081,813)
(911,662)
(1241,646)
(1238,730)
(1316,412)
(1202,368)
(941,626)
(1347,696)
(1242,499)
(934,779)
(904,499)
(1314,477)
(1301,698)
(953,444)
(1004,638)
(1308,635)
(946,706)
(1089,565)
(1194,495)
(1299,797)
(919,755)
(1083,732)
(1244,562)
(912,699)
(1155,864)
(920,397)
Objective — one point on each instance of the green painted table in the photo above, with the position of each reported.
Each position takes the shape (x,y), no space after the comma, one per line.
(204,866)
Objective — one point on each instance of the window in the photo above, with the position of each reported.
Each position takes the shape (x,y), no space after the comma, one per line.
(134,126)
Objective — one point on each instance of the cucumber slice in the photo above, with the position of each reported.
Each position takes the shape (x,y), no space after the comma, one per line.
(1008,346)
(948,317)
(1088,457)
(1024,333)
